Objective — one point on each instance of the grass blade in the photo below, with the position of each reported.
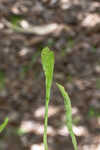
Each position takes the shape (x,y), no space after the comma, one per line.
(68,109)
(47,58)
(2,126)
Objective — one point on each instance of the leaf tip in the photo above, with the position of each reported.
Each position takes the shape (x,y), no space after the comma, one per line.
(59,86)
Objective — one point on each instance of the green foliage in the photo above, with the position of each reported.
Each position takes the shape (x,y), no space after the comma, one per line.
(47,58)
(68,109)
(4,124)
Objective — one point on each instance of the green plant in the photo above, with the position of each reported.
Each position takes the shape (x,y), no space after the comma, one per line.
(4,124)
(47,58)
(68,109)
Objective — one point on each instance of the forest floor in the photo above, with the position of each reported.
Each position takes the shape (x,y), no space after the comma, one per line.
(72,29)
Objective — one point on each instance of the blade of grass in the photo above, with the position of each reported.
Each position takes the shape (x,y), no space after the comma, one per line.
(68,109)
(47,58)
(4,124)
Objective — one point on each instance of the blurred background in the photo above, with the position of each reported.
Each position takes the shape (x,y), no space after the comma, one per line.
(71,28)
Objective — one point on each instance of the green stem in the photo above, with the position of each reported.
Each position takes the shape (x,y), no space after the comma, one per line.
(48,86)
(45,127)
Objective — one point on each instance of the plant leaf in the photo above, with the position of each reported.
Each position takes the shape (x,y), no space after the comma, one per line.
(4,124)
(68,109)
(47,58)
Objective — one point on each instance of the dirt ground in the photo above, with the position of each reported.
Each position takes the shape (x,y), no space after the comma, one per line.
(71,28)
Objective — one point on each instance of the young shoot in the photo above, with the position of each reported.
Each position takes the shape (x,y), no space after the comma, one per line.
(47,58)
(68,109)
